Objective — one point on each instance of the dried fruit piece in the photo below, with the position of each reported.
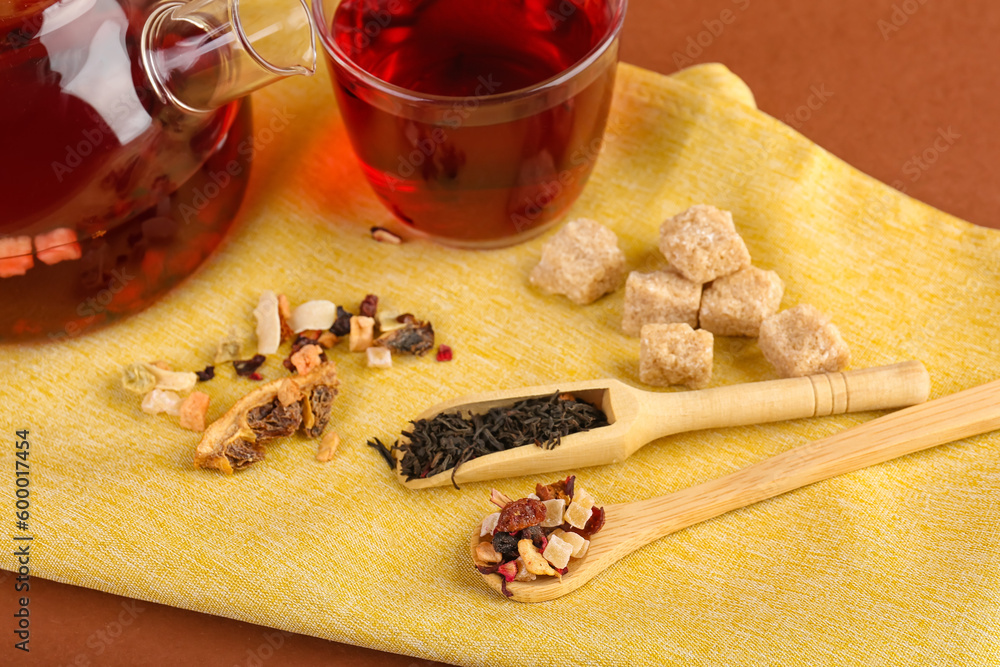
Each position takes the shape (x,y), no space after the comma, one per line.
(284,315)
(383,235)
(506,544)
(328,446)
(274,420)
(138,379)
(306,359)
(489,524)
(557,552)
(326,340)
(553,512)
(522,572)
(206,375)
(499,498)
(520,514)
(158,401)
(486,554)
(535,534)
(15,256)
(413,337)
(379,357)
(342,325)
(444,353)
(362,333)
(173,380)
(229,348)
(508,571)
(247,367)
(193,410)
(316,410)
(288,392)
(314,315)
(534,562)
(575,540)
(234,440)
(268,323)
(369,306)
(57,245)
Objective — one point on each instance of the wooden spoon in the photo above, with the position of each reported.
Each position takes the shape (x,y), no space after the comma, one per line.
(629,526)
(638,417)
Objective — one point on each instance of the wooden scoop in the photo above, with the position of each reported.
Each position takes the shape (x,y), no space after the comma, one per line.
(638,417)
(630,526)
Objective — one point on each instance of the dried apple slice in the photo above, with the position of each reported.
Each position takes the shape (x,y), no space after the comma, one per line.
(235,440)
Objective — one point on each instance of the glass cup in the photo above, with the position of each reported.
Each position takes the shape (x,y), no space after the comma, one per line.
(476,123)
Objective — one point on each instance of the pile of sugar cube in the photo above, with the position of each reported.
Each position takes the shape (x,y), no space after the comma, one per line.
(710,288)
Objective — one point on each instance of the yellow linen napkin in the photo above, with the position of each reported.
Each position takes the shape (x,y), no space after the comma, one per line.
(890,565)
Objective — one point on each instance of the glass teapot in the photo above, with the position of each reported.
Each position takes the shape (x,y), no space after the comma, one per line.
(125,146)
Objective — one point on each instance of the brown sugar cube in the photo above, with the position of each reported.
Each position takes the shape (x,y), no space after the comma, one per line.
(661,297)
(582,261)
(672,354)
(802,341)
(737,304)
(702,244)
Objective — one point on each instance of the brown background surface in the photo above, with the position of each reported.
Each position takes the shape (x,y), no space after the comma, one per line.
(873,81)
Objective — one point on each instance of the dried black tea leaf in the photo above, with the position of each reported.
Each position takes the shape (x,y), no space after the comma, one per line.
(450,439)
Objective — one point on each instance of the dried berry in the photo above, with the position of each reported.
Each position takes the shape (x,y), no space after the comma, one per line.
(508,571)
(520,514)
(444,353)
(535,534)
(206,375)
(341,325)
(368,306)
(505,544)
(248,367)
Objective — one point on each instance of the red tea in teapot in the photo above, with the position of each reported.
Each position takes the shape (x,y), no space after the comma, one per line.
(125,151)
(480,160)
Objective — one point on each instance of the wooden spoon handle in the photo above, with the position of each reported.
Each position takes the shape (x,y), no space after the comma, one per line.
(878,388)
(920,427)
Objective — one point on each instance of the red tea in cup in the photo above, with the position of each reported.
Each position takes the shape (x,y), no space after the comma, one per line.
(476,123)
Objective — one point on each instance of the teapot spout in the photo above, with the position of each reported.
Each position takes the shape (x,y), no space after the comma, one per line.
(203,54)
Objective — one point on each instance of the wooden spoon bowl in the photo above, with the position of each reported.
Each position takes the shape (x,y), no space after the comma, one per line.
(637,417)
(630,526)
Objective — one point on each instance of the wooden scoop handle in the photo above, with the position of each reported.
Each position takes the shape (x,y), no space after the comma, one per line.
(920,427)
(878,388)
